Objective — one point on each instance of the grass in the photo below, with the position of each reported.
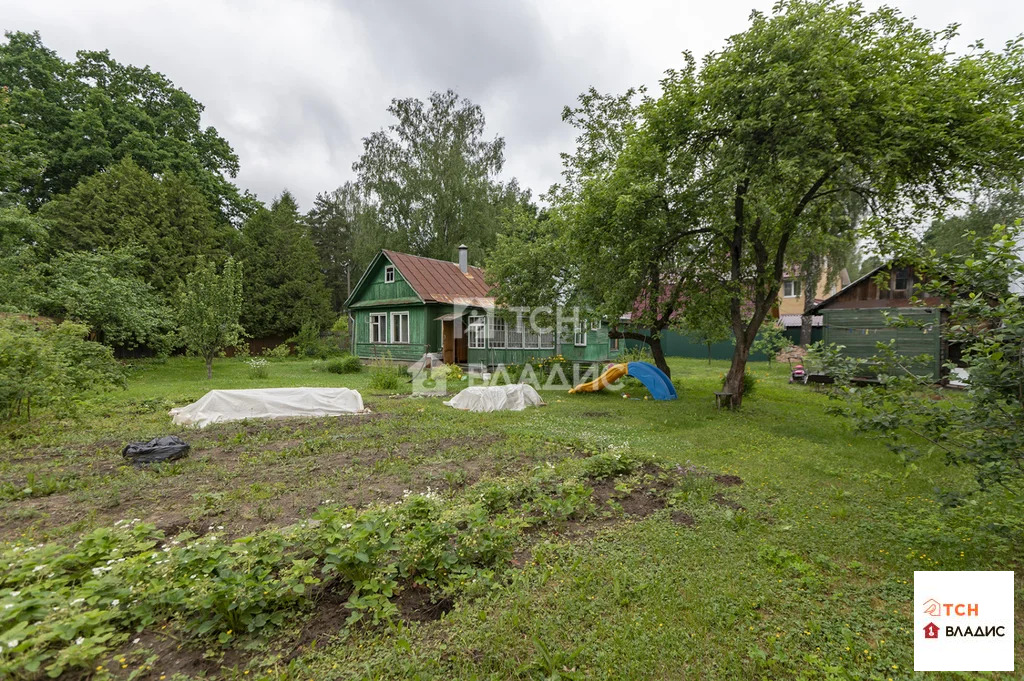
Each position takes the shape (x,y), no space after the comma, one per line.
(805,570)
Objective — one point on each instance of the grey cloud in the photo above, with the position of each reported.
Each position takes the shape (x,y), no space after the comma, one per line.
(295,86)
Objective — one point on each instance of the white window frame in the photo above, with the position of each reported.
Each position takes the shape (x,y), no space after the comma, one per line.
(595,325)
(579,335)
(389,274)
(378,327)
(499,332)
(476,332)
(795,283)
(396,334)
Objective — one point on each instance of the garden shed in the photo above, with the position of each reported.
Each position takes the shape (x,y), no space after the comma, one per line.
(856,318)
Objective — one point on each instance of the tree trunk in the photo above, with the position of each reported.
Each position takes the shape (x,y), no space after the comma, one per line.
(734,379)
(812,272)
(659,354)
(209,367)
(805,330)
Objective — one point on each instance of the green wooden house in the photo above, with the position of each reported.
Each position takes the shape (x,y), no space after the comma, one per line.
(855,317)
(405,306)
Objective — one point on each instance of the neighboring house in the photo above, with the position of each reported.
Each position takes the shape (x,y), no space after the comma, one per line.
(792,302)
(405,306)
(854,317)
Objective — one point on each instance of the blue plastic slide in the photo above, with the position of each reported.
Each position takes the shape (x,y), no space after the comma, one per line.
(654,379)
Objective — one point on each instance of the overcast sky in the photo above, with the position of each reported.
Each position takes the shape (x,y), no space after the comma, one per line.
(295,86)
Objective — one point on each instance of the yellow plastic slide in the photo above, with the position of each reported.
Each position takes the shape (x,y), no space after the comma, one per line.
(610,375)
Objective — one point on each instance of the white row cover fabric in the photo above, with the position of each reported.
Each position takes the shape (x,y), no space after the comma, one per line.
(514,397)
(220,406)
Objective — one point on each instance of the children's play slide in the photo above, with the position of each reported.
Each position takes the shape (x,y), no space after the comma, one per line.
(653,378)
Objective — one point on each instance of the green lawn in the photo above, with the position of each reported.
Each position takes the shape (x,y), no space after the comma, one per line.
(765,543)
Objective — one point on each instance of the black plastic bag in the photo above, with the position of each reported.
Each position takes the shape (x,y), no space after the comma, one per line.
(167,448)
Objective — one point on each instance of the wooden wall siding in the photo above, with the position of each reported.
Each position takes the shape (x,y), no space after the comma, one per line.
(860,330)
(376,291)
(418,334)
(868,294)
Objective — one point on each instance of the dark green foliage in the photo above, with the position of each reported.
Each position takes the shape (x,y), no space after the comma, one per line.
(48,364)
(283,285)
(350,364)
(103,290)
(168,219)
(334,226)
(21,233)
(79,118)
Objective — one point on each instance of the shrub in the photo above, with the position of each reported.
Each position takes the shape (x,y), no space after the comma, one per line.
(282,351)
(385,374)
(309,342)
(43,363)
(349,364)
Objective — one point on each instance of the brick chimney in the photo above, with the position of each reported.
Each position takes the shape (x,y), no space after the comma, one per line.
(464,258)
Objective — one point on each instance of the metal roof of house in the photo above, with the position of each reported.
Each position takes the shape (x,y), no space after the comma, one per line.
(440,281)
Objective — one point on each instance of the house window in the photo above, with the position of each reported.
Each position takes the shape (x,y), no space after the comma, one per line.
(531,339)
(497,332)
(901,282)
(791,288)
(547,340)
(579,335)
(378,328)
(515,335)
(389,274)
(595,325)
(476,332)
(399,327)
(613,343)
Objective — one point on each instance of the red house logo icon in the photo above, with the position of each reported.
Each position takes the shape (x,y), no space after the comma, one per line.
(931,630)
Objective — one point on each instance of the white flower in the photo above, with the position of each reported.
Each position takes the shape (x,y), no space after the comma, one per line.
(37,568)
(77,601)
(13,643)
(8,606)
(114,603)
(80,640)
(136,640)
(15,594)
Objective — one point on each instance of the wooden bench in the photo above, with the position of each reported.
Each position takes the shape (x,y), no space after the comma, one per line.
(724,396)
